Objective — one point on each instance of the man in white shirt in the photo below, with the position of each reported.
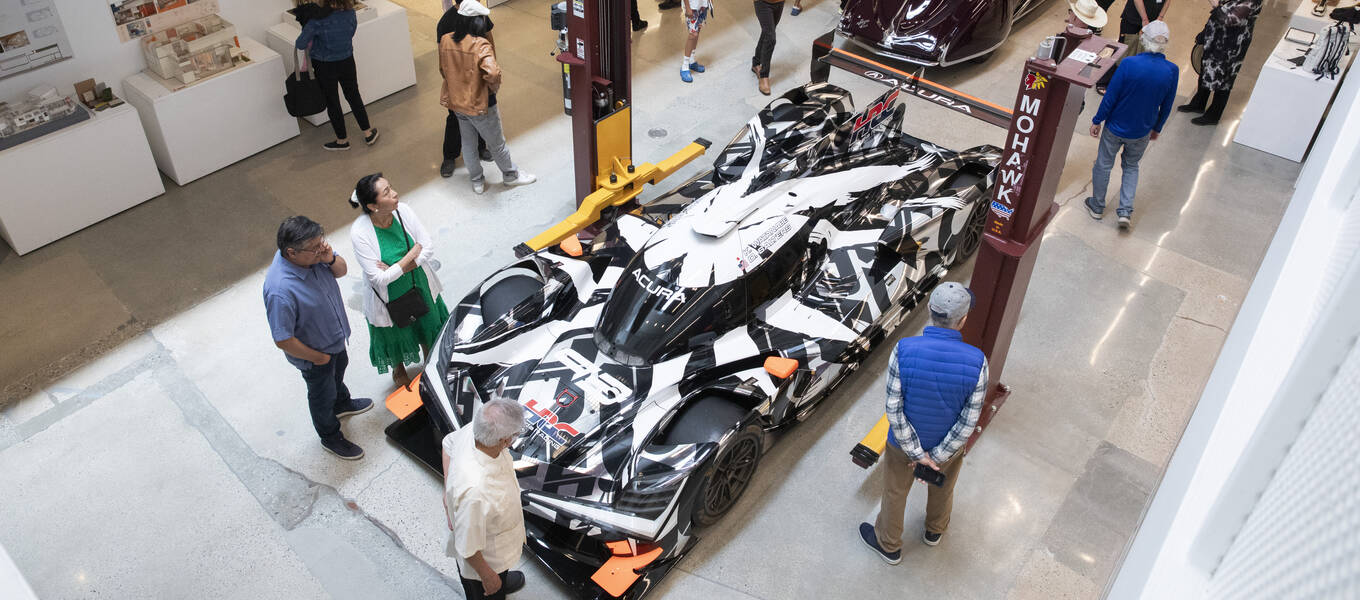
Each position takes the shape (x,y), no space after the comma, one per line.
(481,497)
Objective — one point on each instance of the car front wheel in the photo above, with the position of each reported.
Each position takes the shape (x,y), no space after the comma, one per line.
(727,475)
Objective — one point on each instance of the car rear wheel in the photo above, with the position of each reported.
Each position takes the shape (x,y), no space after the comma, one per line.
(971,236)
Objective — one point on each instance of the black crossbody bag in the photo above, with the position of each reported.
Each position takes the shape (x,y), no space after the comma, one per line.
(407,308)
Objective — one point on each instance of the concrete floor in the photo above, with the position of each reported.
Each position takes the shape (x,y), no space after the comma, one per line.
(153,443)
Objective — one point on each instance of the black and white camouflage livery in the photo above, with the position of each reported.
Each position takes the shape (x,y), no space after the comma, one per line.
(641,363)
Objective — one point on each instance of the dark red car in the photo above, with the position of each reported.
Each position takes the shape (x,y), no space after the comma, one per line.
(932,32)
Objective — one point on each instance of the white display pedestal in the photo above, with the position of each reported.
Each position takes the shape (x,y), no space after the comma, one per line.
(75,177)
(1287,104)
(219,121)
(382,53)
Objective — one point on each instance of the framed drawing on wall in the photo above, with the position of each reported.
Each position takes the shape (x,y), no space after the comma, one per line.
(31,36)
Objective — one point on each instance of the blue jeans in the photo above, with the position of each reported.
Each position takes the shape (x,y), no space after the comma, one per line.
(1100,173)
(325,389)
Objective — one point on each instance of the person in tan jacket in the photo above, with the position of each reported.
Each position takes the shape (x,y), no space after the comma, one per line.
(472,76)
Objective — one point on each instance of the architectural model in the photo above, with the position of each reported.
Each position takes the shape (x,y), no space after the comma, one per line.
(40,107)
(194,50)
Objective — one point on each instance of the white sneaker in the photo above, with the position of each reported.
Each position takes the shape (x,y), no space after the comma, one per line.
(479,186)
(521,178)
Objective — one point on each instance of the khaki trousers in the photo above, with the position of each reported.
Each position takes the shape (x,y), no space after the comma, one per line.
(898,475)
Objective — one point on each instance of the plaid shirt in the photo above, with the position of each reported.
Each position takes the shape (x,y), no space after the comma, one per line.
(906,435)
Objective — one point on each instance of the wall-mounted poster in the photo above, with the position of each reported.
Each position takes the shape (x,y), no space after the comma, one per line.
(136,18)
(31,36)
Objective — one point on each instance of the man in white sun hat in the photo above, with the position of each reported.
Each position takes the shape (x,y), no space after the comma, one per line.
(936,386)
(1086,14)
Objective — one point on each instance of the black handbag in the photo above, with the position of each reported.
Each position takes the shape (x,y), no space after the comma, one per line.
(407,308)
(302,92)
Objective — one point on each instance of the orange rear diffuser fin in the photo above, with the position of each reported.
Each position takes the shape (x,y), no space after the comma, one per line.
(572,246)
(781,367)
(406,399)
(619,573)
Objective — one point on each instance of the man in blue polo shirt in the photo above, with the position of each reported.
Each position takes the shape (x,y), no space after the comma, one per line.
(307,319)
(1134,109)
(936,386)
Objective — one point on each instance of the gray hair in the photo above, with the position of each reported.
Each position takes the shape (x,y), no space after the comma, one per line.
(939,320)
(1151,45)
(496,420)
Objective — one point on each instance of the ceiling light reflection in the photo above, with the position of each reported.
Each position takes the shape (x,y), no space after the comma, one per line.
(1095,352)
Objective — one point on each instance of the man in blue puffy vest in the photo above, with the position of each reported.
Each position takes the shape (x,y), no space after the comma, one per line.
(936,385)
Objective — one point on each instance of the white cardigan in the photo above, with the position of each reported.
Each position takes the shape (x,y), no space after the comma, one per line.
(366,252)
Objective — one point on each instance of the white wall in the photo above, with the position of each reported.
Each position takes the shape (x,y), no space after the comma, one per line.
(101,55)
(1168,557)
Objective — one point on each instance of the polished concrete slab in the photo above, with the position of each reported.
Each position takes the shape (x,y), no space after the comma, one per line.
(143,401)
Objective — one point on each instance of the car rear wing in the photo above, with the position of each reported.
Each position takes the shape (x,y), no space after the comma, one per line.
(825,55)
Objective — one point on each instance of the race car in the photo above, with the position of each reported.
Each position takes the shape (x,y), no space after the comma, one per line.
(661,353)
(932,32)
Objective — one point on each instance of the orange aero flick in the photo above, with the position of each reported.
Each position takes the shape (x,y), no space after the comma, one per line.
(406,399)
(618,573)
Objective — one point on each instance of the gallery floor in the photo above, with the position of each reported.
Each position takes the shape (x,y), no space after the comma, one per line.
(154,444)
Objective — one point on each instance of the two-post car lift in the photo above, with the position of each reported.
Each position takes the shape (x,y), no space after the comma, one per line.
(1038,133)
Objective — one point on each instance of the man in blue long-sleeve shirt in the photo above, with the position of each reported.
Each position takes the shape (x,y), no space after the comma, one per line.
(1134,109)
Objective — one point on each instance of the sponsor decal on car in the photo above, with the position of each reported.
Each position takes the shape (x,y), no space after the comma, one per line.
(671,298)
(874,115)
(544,422)
(592,380)
(765,244)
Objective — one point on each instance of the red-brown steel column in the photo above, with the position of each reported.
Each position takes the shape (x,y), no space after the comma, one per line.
(1032,159)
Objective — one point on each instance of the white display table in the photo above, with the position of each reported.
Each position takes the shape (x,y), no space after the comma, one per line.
(1303,17)
(1287,104)
(214,123)
(382,53)
(70,179)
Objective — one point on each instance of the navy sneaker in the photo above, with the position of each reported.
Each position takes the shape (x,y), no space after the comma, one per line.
(696,67)
(512,582)
(353,407)
(866,535)
(1095,214)
(343,448)
(685,77)
(932,539)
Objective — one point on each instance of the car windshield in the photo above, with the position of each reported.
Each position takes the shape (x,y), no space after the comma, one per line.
(648,319)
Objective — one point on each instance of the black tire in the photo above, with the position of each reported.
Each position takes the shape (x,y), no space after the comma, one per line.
(970,239)
(727,476)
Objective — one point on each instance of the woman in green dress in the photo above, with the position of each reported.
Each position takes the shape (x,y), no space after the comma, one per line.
(396,255)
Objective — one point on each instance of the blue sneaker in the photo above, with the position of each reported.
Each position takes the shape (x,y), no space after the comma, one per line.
(866,535)
(353,407)
(685,76)
(696,67)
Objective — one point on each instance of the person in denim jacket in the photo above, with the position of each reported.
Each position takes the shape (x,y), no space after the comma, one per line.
(328,36)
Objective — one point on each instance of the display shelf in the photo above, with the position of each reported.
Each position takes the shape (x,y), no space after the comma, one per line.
(382,53)
(70,179)
(1287,103)
(206,126)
